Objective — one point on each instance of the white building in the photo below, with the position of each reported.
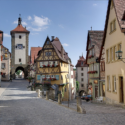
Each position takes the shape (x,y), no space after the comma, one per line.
(82,75)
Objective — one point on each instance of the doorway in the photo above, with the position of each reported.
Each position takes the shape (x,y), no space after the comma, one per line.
(121,90)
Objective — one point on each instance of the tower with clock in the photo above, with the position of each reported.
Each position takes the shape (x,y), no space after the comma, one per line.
(19,49)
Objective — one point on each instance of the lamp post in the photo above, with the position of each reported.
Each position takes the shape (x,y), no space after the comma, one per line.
(119,54)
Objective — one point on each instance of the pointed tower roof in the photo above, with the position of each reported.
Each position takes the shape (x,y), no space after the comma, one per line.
(19,28)
(81,62)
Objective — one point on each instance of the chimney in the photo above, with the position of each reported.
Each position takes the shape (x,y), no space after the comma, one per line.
(52,38)
(62,52)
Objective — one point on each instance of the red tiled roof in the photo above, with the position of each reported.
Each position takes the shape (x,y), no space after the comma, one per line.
(34,52)
(20,29)
(96,38)
(79,63)
(57,45)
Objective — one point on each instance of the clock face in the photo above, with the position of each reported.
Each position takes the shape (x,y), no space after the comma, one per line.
(20,46)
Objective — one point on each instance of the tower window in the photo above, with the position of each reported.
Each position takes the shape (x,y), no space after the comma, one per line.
(19,36)
(19,60)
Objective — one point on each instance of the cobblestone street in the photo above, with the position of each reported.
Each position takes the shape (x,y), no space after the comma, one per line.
(19,106)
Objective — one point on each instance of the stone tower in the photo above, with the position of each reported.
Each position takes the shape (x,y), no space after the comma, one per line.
(19,49)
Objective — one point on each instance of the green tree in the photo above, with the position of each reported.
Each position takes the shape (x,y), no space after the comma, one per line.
(18,72)
(77,86)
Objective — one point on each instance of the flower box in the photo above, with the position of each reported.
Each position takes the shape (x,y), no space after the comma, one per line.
(48,65)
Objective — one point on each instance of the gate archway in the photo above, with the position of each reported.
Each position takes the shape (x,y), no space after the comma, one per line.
(19,72)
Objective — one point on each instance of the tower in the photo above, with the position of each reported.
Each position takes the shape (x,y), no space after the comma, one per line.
(19,49)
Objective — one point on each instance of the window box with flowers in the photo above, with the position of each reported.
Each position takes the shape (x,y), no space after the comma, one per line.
(91,56)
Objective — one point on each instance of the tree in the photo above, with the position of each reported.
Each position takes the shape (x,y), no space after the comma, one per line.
(18,72)
(77,86)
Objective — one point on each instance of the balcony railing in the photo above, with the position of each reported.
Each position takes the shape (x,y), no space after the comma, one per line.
(92,72)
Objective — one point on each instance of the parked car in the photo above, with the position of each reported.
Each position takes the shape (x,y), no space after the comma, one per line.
(88,98)
(83,97)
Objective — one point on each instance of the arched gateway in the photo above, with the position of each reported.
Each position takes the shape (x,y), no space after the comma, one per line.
(19,49)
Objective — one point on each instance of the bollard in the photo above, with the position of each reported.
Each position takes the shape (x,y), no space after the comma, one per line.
(47,95)
(38,91)
(59,98)
(42,94)
(79,106)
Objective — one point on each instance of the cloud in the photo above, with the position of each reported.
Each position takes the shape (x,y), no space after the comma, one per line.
(29,18)
(65,44)
(94,4)
(37,29)
(23,23)
(61,26)
(34,33)
(40,21)
(6,35)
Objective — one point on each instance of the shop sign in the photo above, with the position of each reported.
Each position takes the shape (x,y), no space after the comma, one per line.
(95,81)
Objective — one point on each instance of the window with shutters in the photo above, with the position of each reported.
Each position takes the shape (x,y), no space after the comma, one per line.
(3,66)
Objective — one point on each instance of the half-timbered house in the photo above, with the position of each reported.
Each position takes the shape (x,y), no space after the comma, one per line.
(52,67)
(102,73)
(94,42)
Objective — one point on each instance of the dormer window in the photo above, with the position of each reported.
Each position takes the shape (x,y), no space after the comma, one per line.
(20,37)
(112,26)
(47,42)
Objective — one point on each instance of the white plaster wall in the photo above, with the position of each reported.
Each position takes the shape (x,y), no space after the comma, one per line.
(20,53)
(85,77)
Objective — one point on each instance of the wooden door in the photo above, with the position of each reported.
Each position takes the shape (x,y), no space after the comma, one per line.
(96,91)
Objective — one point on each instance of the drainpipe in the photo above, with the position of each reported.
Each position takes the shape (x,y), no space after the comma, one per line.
(99,78)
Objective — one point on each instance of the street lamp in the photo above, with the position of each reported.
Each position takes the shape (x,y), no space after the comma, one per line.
(119,54)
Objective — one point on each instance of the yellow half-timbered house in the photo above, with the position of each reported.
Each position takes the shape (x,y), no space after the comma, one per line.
(53,68)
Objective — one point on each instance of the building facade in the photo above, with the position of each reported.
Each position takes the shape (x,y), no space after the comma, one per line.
(53,68)
(82,75)
(19,49)
(113,41)
(5,64)
(1,42)
(94,43)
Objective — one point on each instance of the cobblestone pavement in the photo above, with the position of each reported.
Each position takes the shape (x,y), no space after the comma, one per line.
(18,106)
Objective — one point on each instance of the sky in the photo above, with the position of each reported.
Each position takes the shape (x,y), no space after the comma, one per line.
(69,20)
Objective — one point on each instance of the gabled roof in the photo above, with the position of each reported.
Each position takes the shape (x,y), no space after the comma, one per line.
(57,46)
(79,63)
(95,37)
(34,52)
(119,6)
(19,29)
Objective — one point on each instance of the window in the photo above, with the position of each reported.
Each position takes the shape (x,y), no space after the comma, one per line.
(82,63)
(61,77)
(3,66)
(82,85)
(93,51)
(108,85)
(82,74)
(48,53)
(82,69)
(94,67)
(19,60)
(47,42)
(82,79)
(112,26)
(114,83)
(20,37)
(61,64)
(112,54)
(108,56)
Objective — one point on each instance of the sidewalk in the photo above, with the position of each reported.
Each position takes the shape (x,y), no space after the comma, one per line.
(4,85)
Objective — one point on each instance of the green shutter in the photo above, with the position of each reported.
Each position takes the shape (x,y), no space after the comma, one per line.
(57,77)
(38,77)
